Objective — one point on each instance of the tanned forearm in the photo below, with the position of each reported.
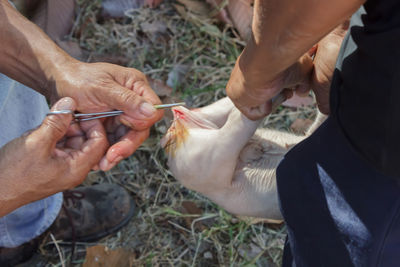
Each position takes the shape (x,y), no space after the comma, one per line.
(27,54)
(283,30)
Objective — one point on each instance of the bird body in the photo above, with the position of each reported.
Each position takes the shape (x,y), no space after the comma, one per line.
(220,153)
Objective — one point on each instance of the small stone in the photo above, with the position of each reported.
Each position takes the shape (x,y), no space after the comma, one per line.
(234,220)
(208,255)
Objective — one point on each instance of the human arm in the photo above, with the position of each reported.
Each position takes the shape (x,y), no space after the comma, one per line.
(283,31)
(29,56)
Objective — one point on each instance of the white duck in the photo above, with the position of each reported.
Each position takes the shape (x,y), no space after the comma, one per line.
(218,152)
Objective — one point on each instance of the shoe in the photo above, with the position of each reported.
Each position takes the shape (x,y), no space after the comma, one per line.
(13,256)
(93,212)
(87,215)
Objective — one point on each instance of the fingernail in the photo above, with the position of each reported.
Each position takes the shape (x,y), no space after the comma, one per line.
(104,164)
(65,103)
(147,109)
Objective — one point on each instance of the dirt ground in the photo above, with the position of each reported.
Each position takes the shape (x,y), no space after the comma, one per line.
(173,226)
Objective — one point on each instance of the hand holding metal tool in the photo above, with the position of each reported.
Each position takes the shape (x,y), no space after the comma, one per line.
(78,117)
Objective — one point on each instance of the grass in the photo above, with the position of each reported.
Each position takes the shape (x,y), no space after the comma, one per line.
(173,226)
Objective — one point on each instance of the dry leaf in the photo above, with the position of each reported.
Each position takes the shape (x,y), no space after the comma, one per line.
(117,8)
(153,27)
(159,87)
(249,251)
(181,10)
(189,207)
(55,17)
(155,30)
(101,256)
(199,7)
(238,13)
(241,14)
(222,15)
(176,75)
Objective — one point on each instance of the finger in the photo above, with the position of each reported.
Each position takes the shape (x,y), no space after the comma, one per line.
(299,73)
(302,89)
(287,93)
(123,148)
(54,127)
(139,114)
(91,151)
(74,130)
(322,98)
(139,84)
(256,113)
(143,89)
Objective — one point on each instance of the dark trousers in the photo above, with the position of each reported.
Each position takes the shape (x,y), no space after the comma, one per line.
(339,210)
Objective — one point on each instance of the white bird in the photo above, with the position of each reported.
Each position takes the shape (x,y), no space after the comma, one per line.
(218,152)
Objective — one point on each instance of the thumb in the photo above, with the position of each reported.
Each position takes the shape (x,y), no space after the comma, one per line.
(54,127)
(299,73)
(258,112)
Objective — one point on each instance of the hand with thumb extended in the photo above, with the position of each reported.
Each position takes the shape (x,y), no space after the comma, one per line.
(98,87)
(252,90)
(52,158)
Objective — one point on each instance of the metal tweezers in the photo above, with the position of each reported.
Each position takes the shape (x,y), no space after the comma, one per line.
(78,117)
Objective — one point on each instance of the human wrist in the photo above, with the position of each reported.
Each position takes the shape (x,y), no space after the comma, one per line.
(258,65)
(57,67)
(12,190)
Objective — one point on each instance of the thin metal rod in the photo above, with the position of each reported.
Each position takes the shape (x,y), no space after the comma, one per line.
(82,118)
(60,112)
(97,115)
(116,112)
(169,105)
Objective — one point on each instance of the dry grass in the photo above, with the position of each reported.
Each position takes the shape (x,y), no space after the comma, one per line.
(168,229)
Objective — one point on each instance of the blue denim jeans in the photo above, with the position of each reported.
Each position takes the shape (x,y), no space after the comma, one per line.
(22,109)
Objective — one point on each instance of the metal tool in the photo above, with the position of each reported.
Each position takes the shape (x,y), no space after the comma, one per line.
(78,117)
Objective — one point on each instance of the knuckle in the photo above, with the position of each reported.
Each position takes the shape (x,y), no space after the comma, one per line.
(138,74)
(131,98)
(141,87)
(55,125)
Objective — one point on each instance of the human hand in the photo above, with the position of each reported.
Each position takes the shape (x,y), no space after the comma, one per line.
(251,92)
(102,87)
(324,65)
(55,157)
